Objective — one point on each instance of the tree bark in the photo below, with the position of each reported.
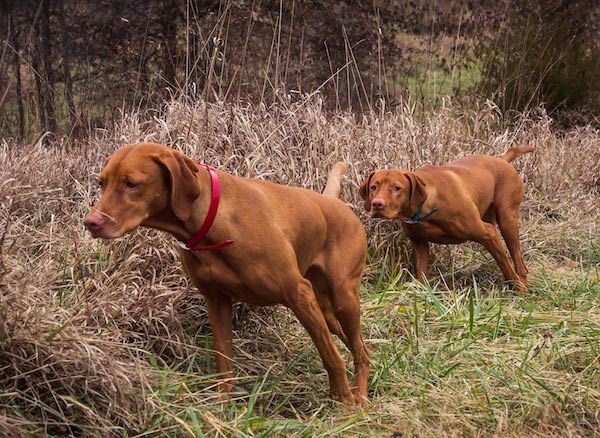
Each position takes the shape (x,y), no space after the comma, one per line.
(170,55)
(17,58)
(35,64)
(48,72)
(66,63)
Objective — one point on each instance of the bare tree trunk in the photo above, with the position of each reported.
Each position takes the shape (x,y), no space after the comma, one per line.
(170,55)
(40,108)
(66,63)
(4,43)
(48,73)
(15,44)
(35,64)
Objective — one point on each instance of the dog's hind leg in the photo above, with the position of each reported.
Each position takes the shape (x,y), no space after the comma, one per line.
(487,235)
(347,310)
(303,302)
(509,227)
(323,294)
(508,199)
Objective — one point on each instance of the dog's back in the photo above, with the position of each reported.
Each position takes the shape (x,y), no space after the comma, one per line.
(480,171)
(315,224)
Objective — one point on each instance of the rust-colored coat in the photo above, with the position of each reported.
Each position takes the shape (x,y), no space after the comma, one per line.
(291,246)
(471,194)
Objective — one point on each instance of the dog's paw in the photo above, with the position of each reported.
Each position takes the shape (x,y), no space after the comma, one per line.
(360,400)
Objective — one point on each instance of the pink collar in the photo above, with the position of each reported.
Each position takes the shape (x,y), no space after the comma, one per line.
(210,216)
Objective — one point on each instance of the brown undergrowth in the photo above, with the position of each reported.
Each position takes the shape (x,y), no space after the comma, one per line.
(110,339)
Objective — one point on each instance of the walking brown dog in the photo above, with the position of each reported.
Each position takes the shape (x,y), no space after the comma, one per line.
(269,244)
(455,203)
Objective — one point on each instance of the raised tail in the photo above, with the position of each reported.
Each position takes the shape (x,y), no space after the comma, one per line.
(515,152)
(334,181)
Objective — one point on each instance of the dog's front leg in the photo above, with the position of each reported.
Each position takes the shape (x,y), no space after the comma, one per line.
(219,308)
(420,257)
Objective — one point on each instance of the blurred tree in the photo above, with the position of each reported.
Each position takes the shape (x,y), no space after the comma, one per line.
(169,18)
(43,48)
(65,53)
(14,39)
(78,62)
(544,52)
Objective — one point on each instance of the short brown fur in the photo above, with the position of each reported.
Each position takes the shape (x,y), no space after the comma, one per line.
(291,246)
(471,194)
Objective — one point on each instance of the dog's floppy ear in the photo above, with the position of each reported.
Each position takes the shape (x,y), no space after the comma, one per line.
(418,194)
(365,192)
(184,185)
(106,161)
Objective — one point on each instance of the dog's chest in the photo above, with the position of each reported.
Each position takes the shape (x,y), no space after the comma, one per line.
(434,232)
(251,284)
(421,231)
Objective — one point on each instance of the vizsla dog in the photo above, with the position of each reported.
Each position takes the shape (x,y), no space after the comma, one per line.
(248,240)
(455,203)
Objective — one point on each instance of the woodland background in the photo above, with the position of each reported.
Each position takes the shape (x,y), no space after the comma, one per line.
(69,66)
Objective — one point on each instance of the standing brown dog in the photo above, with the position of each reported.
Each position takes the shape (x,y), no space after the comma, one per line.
(269,244)
(455,203)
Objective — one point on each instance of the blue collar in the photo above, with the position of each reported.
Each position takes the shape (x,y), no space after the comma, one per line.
(416,219)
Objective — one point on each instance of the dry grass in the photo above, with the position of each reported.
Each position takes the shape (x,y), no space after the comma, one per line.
(110,339)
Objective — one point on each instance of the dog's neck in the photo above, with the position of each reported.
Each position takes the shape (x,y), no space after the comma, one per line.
(421,212)
(407,213)
(168,222)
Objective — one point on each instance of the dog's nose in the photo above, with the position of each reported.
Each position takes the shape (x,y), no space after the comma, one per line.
(93,221)
(378,203)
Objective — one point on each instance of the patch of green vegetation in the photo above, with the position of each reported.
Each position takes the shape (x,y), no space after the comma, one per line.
(472,358)
(433,85)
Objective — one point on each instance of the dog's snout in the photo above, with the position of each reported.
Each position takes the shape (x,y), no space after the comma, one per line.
(93,221)
(378,203)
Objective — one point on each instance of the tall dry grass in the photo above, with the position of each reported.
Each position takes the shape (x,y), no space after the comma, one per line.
(110,339)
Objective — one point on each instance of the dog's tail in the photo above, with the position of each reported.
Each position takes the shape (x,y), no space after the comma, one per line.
(334,181)
(515,152)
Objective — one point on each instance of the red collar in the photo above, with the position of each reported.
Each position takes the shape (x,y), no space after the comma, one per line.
(210,216)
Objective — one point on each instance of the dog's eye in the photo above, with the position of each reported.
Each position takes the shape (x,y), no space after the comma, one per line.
(131,185)
(373,187)
(397,188)
(100,183)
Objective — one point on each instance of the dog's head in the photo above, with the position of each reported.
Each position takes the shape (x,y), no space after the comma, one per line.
(390,193)
(139,182)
